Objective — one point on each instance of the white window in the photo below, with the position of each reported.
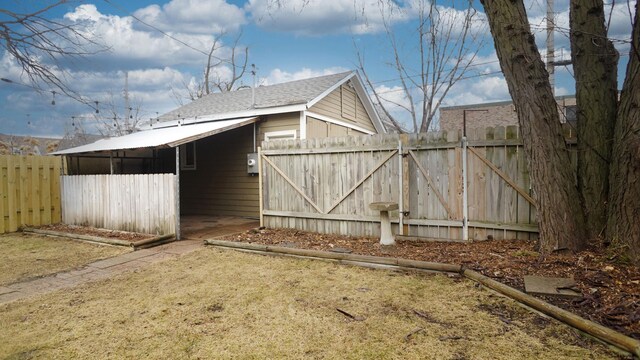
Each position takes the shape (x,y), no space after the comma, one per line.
(280,135)
(188,156)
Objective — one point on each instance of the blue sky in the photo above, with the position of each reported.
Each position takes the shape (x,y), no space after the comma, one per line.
(285,43)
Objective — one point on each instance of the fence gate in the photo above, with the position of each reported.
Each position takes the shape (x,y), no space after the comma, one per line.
(326,185)
(29,191)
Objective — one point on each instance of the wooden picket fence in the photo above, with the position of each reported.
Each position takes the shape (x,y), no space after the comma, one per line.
(326,185)
(140,203)
(29,191)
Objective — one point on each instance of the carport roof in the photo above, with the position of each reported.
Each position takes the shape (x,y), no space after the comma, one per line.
(162,137)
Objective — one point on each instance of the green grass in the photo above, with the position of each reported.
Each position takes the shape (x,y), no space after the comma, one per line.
(28,256)
(225,304)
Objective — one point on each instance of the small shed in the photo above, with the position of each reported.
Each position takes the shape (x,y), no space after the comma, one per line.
(211,143)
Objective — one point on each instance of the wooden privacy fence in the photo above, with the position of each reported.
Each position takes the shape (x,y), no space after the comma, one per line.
(326,185)
(139,203)
(29,191)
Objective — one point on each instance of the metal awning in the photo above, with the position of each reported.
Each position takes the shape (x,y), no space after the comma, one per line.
(160,137)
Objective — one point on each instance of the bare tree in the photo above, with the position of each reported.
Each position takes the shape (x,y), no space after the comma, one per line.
(113,120)
(445,48)
(213,81)
(38,44)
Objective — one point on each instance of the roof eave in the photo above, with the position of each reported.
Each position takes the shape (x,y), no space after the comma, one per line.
(330,89)
(229,115)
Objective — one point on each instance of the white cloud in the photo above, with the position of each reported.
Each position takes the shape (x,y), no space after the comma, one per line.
(194,16)
(478,90)
(129,42)
(321,17)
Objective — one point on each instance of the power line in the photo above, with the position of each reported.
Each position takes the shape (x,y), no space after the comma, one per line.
(168,35)
(156,28)
(462,78)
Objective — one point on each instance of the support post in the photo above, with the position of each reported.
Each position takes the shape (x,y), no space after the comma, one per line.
(400,189)
(177,193)
(465,205)
(111,162)
(260,184)
(465,200)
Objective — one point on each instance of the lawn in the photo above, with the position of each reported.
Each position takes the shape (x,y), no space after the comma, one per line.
(28,256)
(224,304)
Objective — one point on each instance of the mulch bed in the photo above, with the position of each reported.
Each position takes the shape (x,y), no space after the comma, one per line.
(611,291)
(103,233)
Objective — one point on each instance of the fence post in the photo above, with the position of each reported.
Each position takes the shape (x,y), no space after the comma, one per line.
(177,193)
(465,207)
(260,185)
(400,188)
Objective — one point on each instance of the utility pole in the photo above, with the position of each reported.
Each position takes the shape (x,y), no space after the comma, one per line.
(550,46)
(127,108)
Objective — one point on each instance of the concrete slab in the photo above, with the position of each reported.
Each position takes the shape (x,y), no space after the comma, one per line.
(107,263)
(98,270)
(158,257)
(561,287)
(209,227)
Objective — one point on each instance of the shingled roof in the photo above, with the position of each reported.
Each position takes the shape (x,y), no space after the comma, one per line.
(230,103)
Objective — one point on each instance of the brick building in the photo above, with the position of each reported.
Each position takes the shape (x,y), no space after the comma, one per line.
(496,114)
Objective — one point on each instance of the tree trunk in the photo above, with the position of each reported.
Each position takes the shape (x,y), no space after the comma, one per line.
(623,226)
(595,64)
(560,214)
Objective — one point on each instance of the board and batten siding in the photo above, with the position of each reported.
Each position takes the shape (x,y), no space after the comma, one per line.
(340,105)
(138,203)
(220,184)
(317,129)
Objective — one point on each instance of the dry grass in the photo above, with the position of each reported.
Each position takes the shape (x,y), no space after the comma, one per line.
(225,304)
(27,256)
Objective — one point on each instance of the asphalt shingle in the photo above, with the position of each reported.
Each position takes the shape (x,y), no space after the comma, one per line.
(289,93)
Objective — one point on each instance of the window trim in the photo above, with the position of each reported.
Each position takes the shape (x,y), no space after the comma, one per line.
(183,156)
(281,135)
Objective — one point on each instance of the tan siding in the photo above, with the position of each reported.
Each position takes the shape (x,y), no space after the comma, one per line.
(220,184)
(316,128)
(348,106)
(331,106)
(322,129)
(337,130)
(362,118)
(279,122)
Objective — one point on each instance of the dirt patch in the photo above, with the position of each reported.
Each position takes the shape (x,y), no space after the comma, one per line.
(104,233)
(238,305)
(611,291)
(28,256)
